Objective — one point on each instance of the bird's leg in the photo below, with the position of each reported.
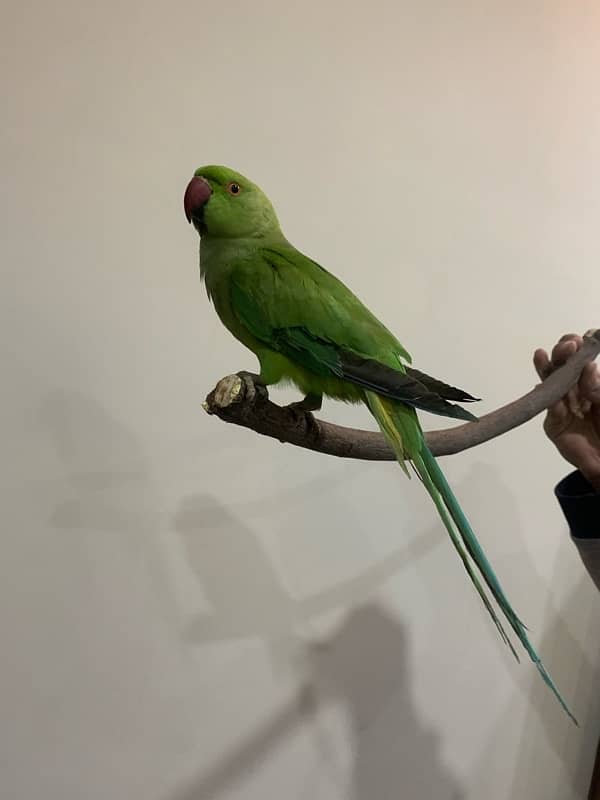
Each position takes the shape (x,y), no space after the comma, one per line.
(312,402)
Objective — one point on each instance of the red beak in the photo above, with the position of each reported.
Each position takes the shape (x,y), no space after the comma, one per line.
(196,196)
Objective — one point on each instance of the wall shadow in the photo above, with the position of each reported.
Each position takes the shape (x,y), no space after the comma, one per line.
(243,587)
(363,668)
(110,488)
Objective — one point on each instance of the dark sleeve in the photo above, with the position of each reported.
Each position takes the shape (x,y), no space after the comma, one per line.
(580,503)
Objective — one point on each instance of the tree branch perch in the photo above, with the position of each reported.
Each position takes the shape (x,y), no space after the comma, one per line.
(238,400)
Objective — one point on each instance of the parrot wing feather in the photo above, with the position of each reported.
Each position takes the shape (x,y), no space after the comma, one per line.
(295,307)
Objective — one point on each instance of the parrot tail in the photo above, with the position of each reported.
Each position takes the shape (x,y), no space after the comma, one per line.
(401,428)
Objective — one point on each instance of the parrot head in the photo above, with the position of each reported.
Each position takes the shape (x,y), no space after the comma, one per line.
(222,203)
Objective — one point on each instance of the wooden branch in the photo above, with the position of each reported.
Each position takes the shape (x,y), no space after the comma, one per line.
(238,400)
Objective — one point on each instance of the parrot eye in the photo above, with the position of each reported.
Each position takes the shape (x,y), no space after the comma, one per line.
(234,188)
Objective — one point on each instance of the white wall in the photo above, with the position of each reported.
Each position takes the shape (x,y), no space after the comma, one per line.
(169,584)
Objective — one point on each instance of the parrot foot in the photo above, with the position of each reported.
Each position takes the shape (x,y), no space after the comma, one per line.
(312,402)
(301,414)
(252,386)
(242,387)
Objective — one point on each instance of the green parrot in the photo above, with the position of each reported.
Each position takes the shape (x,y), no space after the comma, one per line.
(305,326)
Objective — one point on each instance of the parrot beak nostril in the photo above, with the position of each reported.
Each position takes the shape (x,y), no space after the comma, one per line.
(196,196)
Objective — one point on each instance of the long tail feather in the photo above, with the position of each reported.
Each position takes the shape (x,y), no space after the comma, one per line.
(402,430)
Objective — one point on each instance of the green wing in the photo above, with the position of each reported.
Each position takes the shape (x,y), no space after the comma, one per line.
(295,307)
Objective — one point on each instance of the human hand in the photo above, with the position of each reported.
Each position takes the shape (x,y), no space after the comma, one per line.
(573,424)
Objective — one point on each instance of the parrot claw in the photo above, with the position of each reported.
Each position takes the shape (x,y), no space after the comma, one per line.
(253,387)
(232,389)
(301,414)
(312,426)
(244,387)
(306,419)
